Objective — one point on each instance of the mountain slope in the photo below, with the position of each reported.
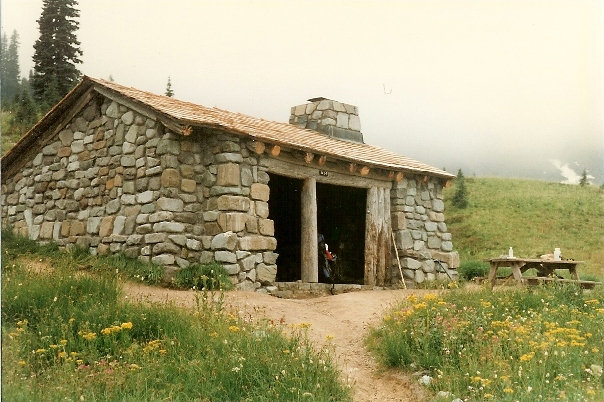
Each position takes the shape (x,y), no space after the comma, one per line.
(531,216)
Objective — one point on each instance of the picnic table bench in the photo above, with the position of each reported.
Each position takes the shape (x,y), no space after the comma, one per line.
(545,270)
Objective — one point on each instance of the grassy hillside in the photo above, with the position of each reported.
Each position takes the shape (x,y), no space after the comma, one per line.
(531,216)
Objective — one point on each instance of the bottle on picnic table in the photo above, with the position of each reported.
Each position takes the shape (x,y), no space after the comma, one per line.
(510,253)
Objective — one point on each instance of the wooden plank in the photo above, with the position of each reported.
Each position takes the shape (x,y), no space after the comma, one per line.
(399,176)
(377,238)
(322,160)
(298,169)
(365,170)
(309,248)
(386,244)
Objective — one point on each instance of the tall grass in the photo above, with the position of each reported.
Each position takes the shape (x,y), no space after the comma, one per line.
(518,344)
(531,216)
(67,335)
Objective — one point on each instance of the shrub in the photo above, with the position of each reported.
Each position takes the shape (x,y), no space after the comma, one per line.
(208,276)
(472,269)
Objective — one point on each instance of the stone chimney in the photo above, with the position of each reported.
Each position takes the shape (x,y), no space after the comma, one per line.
(329,117)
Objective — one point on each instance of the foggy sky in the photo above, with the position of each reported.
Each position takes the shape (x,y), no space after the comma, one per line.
(497,88)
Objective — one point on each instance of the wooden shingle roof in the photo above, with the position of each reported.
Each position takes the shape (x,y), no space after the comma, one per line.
(284,134)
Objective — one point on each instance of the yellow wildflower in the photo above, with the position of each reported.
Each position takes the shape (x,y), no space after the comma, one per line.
(62,355)
(526,357)
(63,341)
(430,296)
(41,350)
(126,325)
(234,328)
(508,390)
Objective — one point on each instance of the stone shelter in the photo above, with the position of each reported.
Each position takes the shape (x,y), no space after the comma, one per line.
(116,169)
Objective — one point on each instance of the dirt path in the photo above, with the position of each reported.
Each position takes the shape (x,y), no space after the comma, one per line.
(345,317)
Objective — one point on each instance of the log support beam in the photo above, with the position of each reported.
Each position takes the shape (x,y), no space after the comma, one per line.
(309,248)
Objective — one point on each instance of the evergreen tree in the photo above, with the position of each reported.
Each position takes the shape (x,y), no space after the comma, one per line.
(57,51)
(169,91)
(10,75)
(460,199)
(26,112)
(583,182)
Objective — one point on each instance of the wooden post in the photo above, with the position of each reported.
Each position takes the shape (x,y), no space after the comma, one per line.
(371,237)
(377,237)
(309,247)
(322,160)
(308,157)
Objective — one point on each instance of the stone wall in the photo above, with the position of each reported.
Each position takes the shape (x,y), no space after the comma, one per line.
(113,180)
(418,222)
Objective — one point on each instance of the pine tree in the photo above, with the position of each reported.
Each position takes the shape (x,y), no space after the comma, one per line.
(57,51)
(584,182)
(460,199)
(26,112)
(169,91)
(10,75)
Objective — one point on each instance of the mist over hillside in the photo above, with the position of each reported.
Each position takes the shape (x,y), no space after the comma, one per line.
(541,167)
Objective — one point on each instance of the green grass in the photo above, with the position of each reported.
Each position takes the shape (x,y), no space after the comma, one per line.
(516,344)
(67,334)
(531,216)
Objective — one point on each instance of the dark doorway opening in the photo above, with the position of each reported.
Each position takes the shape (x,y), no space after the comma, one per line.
(341,220)
(284,207)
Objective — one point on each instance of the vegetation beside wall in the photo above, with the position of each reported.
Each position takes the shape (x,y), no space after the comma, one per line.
(77,340)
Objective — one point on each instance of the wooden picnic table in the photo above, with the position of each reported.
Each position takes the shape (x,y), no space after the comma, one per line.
(545,268)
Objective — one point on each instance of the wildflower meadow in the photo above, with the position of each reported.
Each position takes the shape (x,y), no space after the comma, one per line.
(67,335)
(514,344)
